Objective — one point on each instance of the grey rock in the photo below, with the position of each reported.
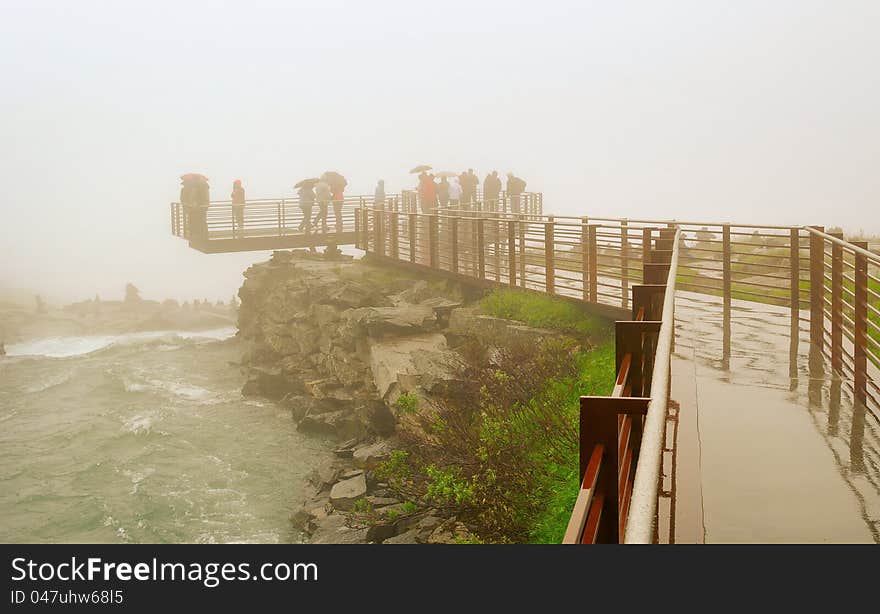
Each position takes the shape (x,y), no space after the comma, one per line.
(345,492)
(369,456)
(408,537)
(333,530)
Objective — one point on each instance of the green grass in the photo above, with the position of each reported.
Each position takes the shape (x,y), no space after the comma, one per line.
(544,311)
(560,482)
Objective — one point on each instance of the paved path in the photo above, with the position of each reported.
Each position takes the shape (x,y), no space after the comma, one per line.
(768,452)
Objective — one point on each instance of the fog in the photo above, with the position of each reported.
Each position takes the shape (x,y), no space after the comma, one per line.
(746,111)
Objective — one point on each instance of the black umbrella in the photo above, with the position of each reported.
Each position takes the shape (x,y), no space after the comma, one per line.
(306,182)
(334,180)
(421,168)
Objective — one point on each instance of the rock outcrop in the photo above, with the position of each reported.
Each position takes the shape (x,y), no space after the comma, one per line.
(337,342)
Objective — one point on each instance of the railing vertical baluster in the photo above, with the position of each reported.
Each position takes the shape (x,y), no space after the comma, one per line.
(726,276)
(357,228)
(511,252)
(432,241)
(817,292)
(378,237)
(624,264)
(278,206)
(454,239)
(585,259)
(413,221)
(393,226)
(522,250)
(481,247)
(837,304)
(594,264)
(795,275)
(860,323)
(549,257)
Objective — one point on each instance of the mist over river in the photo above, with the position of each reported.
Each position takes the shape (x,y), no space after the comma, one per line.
(144,437)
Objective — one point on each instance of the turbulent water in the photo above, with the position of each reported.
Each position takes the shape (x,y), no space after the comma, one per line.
(143,438)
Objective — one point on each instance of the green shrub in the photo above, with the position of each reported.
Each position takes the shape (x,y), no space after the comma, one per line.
(544,311)
(407,403)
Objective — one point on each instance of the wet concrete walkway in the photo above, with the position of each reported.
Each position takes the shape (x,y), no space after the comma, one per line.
(769,451)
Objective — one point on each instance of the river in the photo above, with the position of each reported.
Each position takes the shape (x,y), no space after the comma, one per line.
(144,437)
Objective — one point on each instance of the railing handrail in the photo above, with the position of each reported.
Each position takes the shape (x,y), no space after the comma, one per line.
(843,243)
(643,504)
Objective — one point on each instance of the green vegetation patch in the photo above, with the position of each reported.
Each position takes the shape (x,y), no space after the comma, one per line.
(544,311)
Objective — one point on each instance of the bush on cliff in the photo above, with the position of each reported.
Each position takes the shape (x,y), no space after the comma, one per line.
(501,452)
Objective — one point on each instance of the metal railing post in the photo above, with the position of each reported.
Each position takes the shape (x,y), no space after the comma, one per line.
(522,250)
(593,249)
(378,235)
(511,252)
(624,264)
(395,247)
(481,247)
(585,259)
(817,291)
(432,241)
(860,326)
(413,222)
(837,304)
(549,257)
(454,239)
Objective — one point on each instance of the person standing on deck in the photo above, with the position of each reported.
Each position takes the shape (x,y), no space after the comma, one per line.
(237,208)
(468,181)
(515,188)
(492,191)
(338,199)
(323,195)
(306,202)
(379,195)
(427,192)
(443,193)
(455,193)
(202,197)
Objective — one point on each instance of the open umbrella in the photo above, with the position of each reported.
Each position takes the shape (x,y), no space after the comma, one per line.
(193,177)
(335,180)
(446,174)
(306,182)
(420,168)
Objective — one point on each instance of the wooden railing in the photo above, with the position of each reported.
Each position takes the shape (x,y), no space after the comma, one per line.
(612,427)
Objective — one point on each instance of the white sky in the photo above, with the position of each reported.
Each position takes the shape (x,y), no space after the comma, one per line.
(744,111)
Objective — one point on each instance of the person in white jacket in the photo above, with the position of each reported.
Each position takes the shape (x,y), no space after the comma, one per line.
(454,193)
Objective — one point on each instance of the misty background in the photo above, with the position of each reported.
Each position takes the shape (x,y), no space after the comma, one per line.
(695,110)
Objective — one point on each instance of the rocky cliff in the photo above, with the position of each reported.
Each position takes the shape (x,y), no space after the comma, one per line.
(338,341)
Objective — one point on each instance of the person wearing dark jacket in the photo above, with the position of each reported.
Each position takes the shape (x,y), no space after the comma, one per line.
(443,192)
(515,188)
(306,202)
(492,190)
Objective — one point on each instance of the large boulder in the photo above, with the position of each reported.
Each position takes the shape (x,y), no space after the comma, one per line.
(345,492)
(334,530)
(369,456)
(403,319)
(407,363)
(341,424)
(469,322)
(272,383)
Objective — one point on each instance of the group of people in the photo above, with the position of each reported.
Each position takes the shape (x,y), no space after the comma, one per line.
(329,188)
(448,191)
(460,191)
